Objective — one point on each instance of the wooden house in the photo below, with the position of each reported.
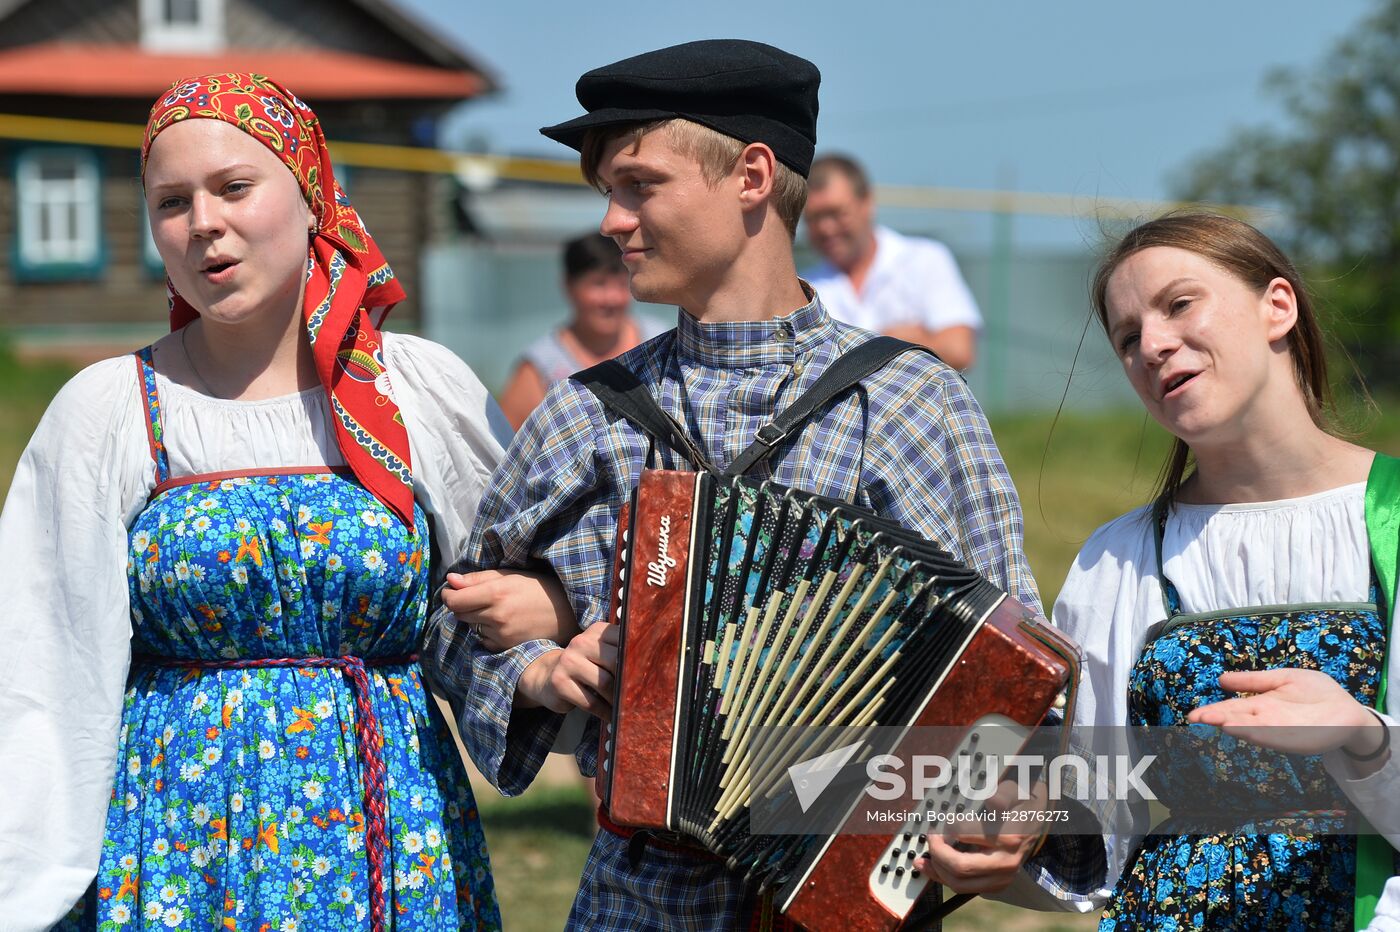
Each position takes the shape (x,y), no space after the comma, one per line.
(77,78)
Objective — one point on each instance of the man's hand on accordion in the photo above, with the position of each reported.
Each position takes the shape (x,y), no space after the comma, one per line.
(986,861)
(579,676)
(510,607)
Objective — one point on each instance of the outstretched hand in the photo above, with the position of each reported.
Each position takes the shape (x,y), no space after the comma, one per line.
(510,607)
(1292,710)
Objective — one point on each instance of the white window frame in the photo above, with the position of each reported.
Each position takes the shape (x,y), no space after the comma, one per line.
(158,34)
(73,208)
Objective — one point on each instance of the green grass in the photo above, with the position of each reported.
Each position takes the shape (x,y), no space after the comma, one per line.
(538,845)
(1092,468)
(1088,470)
(26,390)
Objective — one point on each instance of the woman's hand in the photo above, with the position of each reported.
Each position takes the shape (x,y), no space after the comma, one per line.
(1293,710)
(510,607)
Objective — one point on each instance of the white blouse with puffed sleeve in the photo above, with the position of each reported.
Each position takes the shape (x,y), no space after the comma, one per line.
(1302,550)
(66,627)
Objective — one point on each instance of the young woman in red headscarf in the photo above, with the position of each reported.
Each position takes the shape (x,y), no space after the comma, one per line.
(217,560)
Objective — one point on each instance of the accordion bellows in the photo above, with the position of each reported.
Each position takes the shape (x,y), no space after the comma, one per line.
(750,607)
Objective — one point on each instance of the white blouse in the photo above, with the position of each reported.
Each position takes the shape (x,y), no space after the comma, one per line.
(1309,549)
(65,628)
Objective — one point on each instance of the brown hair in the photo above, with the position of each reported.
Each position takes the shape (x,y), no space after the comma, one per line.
(716,153)
(828,166)
(1238,248)
(591,252)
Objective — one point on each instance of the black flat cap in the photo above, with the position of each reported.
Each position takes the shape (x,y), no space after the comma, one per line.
(748,90)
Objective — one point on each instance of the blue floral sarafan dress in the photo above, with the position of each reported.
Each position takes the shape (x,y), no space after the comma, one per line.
(1272,879)
(280,765)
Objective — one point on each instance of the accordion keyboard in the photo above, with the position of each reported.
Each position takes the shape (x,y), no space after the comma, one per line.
(757,621)
(894,882)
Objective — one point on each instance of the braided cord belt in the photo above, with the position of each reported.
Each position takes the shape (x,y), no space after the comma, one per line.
(369,747)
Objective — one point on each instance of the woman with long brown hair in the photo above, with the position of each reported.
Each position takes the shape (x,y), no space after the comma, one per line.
(1244,595)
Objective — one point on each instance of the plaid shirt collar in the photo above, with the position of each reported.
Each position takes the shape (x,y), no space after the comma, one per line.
(750,344)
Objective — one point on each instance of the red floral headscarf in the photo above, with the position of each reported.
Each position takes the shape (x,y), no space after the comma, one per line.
(349,287)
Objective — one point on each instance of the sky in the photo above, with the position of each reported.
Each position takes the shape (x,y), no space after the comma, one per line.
(1084,97)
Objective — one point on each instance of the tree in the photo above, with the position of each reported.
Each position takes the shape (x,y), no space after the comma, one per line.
(1332,175)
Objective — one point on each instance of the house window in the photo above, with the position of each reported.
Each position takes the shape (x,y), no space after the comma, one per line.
(182,12)
(182,25)
(59,227)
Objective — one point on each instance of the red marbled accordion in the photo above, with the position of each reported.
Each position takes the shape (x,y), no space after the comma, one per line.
(746,606)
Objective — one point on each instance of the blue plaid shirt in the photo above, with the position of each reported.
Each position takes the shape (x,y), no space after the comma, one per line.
(910,442)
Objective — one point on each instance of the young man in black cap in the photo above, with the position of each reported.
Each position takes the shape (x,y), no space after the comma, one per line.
(702,150)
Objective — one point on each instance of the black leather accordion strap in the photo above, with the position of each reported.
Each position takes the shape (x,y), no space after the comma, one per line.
(619,390)
(843,374)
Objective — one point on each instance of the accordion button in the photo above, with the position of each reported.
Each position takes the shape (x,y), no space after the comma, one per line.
(914,874)
(899,872)
(884,868)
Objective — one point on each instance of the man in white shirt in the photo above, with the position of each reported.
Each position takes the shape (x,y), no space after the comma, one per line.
(877,279)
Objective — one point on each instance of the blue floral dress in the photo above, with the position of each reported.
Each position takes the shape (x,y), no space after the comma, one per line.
(280,766)
(1245,880)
